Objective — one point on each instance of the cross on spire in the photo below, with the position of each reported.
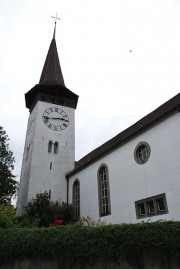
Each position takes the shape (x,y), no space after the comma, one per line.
(56,18)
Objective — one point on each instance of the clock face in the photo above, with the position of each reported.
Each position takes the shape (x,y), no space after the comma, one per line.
(55,119)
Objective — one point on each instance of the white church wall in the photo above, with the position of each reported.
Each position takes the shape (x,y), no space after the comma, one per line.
(130,181)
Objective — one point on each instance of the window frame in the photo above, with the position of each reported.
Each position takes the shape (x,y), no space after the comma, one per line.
(56,146)
(50,146)
(154,200)
(104,208)
(76,202)
(137,153)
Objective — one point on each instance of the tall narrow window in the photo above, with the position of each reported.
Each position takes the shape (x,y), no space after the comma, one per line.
(49,194)
(104,193)
(50,144)
(50,165)
(27,151)
(76,199)
(56,147)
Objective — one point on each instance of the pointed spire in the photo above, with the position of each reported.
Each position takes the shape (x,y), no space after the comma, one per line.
(52,74)
(51,87)
(54,31)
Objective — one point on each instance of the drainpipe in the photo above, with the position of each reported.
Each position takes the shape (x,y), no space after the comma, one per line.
(67,189)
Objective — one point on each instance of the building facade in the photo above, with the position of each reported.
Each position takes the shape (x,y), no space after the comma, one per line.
(132,177)
(135,175)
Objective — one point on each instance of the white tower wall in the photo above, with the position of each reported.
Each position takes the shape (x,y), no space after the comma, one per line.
(43,171)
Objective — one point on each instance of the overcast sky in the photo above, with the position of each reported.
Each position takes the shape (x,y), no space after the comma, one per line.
(94,38)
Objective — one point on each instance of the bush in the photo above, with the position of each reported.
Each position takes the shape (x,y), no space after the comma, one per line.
(133,241)
(43,209)
(7,216)
(24,222)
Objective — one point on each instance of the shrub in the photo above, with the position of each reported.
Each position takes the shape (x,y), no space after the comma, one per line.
(24,222)
(46,211)
(7,216)
(133,241)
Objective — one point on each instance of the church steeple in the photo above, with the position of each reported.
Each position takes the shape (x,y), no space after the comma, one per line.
(49,151)
(52,74)
(51,87)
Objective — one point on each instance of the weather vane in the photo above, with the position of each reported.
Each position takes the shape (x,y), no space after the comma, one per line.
(56,18)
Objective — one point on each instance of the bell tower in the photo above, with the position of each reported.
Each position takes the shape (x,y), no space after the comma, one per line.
(49,151)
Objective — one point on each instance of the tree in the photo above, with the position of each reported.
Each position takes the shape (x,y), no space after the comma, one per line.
(8,184)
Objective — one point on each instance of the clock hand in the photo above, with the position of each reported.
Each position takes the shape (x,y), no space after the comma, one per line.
(53,118)
(63,119)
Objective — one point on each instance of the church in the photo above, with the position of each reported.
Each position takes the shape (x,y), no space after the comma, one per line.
(133,177)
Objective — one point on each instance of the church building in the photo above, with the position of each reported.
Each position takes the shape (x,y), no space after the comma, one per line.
(135,176)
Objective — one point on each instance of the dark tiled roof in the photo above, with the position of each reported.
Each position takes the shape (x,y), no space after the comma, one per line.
(52,74)
(57,91)
(168,107)
(51,83)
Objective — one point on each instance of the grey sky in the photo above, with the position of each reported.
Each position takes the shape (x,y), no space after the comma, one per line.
(116,87)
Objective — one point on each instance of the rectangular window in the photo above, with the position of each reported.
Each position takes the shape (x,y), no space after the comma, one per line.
(141,209)
(151,206)
(160,205)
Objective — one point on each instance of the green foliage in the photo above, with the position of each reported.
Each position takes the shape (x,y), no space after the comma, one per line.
(8,184)
(133,241)
(24,221)
(43,209)
(7,216)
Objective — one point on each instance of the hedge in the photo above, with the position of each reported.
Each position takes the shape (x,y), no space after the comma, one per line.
(106,241)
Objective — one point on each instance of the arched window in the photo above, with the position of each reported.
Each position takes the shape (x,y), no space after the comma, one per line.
(56,147)
(104,192)
(50,144)
(76,199)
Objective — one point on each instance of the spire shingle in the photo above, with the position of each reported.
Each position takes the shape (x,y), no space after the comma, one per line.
(52,74)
